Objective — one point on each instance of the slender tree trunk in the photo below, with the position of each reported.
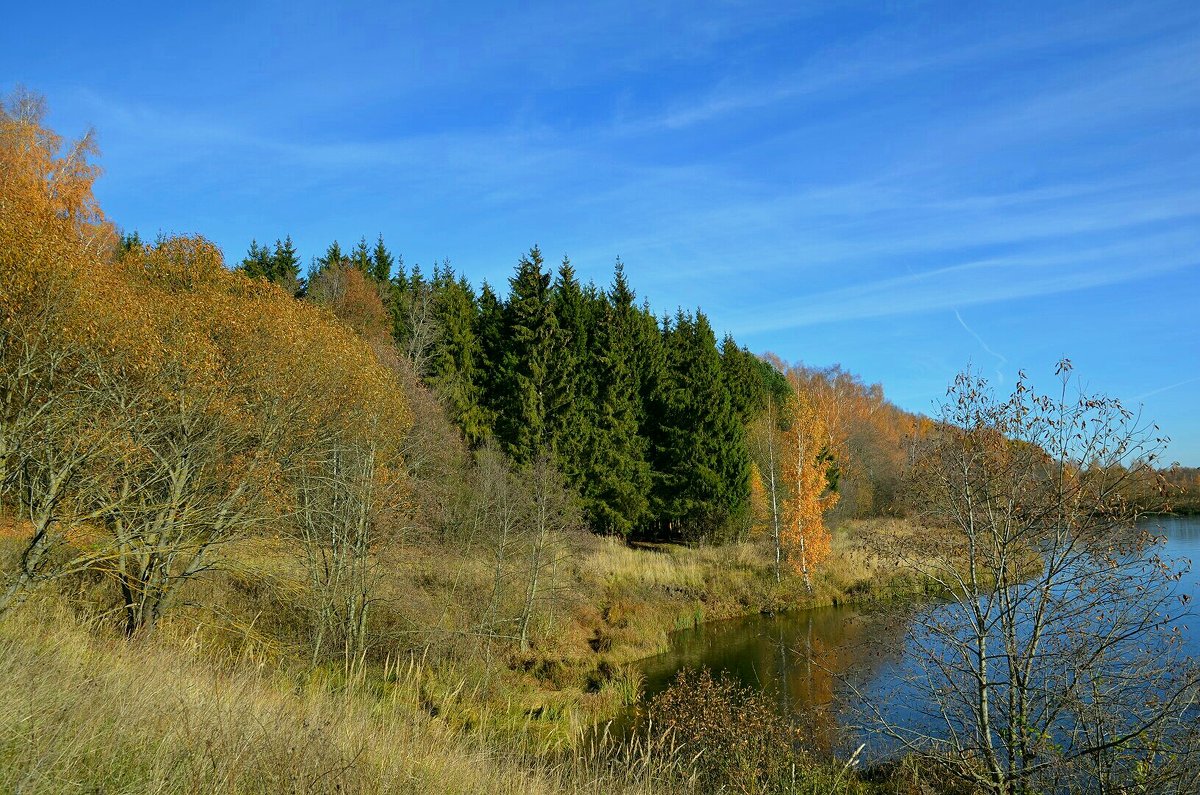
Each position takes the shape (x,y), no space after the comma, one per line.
(799,517)
(504,505)
(771,467)
(535,568)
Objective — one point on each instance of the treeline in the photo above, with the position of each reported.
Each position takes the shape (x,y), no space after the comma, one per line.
(1183,489)
(647,417)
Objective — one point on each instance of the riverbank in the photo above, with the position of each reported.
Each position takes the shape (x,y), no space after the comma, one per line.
(614,605)
(648,595)
(222,697)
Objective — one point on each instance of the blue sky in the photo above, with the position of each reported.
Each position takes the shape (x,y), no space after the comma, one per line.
(902,187)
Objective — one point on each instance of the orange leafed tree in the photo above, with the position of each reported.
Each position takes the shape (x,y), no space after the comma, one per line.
(155,406)
(803,464)
(863,433)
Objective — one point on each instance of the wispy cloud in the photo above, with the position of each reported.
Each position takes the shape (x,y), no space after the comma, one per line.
(894,55)
(983,281)
(1001,360)
(1167,388)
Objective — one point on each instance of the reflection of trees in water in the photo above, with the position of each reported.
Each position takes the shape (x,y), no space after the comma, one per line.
(825,649)
(800,659)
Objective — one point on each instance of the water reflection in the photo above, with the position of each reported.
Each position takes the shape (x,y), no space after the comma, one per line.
(813,662)
(808,661)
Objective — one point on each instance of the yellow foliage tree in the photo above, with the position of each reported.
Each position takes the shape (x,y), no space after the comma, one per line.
(57,320)
(803,464)
(155,406)
(864,435)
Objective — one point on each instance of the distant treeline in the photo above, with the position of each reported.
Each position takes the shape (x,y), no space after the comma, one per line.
(1183,489)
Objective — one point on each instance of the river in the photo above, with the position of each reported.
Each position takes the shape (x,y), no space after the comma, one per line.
(810,662)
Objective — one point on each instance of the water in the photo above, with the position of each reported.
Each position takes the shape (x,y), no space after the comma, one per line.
(811,663)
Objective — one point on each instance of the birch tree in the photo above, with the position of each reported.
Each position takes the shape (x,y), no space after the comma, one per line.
(803,466)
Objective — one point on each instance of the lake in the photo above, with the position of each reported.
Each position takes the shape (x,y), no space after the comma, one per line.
(810,662)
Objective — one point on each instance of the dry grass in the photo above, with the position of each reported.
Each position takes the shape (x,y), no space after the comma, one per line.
(221,700)
(83,714)
(645,594)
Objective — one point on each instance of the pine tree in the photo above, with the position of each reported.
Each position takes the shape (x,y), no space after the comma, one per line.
(489,330)
(130,241)
(616,475)
(285,265)
(650,368)
(744,379)
(382,262)
(702,488)
(360,257)
(452,371)
(395,301)
(333,256)
(569,407)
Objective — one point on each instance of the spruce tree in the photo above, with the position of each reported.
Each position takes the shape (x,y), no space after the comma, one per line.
(745,378)
(453,369)
(257,262)
(489,331)
(616,475)
(395,298)
(702,489)
(130,241)
(333,256)
(569,406)
(360,257)
(650,366)
(530,329)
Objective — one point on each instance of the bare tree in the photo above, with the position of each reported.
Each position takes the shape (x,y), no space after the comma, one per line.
(498,517)
(528,516)
(553,513)
(1058,667)
(418,305)
(344,493)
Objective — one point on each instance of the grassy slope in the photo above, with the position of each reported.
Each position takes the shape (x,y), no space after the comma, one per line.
(82,714)
(220,700)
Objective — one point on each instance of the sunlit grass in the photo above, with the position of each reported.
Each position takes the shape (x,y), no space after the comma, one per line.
(83,713)
(223,698)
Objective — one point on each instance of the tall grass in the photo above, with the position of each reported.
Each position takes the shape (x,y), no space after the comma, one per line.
(81,713)
(218,701)
(646,594)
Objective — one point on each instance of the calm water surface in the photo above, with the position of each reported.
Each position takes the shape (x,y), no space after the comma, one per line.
(810,662)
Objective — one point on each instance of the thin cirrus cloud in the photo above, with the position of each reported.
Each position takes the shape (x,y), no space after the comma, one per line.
(885,58)
(473,160)
(1167,388)
(981,281)
(873,227)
